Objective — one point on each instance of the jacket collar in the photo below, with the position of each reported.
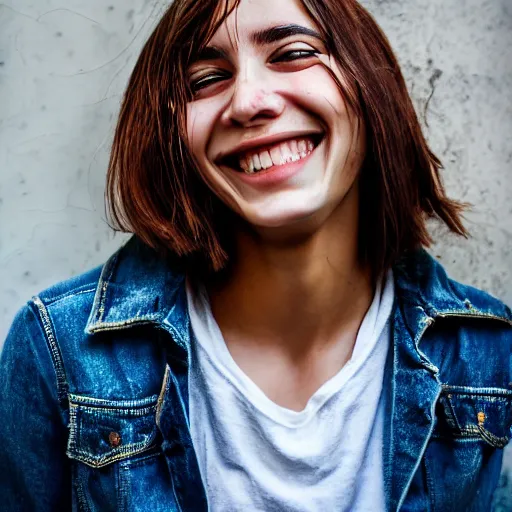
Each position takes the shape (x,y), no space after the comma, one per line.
(138,286)
(426,292)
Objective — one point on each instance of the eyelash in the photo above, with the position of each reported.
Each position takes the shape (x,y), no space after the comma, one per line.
(206,80)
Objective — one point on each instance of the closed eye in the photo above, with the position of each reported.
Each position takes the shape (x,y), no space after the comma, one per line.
(295,55)
(213,78)
(206,80)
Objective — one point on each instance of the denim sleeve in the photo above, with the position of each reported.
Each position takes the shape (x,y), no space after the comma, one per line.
(34,469)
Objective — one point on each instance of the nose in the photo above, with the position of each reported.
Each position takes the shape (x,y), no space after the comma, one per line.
(254,99)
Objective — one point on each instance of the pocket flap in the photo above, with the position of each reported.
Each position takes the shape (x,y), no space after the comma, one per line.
(484,413)
(103,431)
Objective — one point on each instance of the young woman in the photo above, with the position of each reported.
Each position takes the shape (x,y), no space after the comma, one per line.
(274,337)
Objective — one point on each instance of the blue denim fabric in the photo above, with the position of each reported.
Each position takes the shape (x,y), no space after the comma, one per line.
(94,398)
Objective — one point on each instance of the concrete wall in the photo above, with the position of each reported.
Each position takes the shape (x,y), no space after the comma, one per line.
(64,65)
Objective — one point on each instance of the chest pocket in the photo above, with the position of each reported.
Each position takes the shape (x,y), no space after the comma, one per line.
(105,431)
(462,461)
(475,414)
(118,461)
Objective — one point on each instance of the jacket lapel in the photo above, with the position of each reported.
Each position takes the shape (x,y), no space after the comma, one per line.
(412,393)
(173,418)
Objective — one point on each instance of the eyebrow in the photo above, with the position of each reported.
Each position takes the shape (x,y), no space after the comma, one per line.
(260,38)
(274,34)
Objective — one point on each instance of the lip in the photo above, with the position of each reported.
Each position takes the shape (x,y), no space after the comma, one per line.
(262,142)
(275,175)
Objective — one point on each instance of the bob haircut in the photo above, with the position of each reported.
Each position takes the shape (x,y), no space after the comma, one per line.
(154,188)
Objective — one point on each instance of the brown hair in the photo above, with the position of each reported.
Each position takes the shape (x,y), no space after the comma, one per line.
(155,191)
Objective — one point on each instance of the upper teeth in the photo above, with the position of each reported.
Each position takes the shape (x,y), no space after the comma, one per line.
(280,154)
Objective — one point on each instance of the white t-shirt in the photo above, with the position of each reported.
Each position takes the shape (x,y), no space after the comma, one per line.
(255,455)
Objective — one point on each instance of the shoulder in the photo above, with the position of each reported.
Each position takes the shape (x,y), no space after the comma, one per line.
(40,314)
(423,281)
(118,291)
(59,311)
(87,324)
(32,346)
(77,290)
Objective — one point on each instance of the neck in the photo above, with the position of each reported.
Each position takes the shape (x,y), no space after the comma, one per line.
(300,291)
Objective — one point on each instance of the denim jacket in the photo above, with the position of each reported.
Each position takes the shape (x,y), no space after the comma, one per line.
(94,393)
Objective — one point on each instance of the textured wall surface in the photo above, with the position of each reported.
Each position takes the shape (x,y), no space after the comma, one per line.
(64,65)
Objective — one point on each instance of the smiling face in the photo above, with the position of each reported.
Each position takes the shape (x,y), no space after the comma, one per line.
(268,126)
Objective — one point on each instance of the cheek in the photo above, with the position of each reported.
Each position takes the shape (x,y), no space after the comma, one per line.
(319,92)
(200,122)
(193,129)
(199,125)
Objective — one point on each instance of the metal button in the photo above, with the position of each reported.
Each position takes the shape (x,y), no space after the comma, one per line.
(114,439)
(481,418)
(468,304)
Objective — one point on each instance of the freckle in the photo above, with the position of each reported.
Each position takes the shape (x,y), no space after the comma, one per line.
(43,107)
(110,7)
(129,14)
(26,273)
(2,63)
(58,34)
(256,101)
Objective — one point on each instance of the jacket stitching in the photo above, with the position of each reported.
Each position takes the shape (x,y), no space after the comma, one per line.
(103,296)
(72,428)
(70,294)
(104,460)
(62,384)
(87,402)
(107,272)
(163,393)
(113,326)
(112,411)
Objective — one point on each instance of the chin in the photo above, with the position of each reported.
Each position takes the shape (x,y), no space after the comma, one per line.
(291,218)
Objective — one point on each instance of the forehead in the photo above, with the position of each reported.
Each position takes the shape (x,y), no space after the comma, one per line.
(251,16)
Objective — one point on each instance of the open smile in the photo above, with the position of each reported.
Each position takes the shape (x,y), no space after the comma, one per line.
(275,175)
(267,157)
